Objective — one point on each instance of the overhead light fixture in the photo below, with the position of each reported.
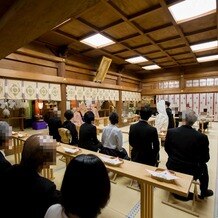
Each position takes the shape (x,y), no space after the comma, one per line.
(136,60)
(190,9)
(97,41)
(205,46)
(151,67)
(208,58)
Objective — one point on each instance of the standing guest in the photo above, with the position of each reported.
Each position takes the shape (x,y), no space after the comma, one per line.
(54,123)
(88,133)
(112,139)
(34,193)
(188,152)
(85,189)
(144,140)
(71,127)
(171,123)
(5,135)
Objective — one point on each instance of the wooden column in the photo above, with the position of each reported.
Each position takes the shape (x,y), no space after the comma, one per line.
(62,103)
(119,104)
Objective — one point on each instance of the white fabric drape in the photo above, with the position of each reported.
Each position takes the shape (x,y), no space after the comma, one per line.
(14,89)
(161,121)
(2,88)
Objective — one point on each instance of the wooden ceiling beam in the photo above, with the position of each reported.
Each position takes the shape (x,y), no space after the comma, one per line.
(21,24)
(143,12)
(196,32)
(139,30)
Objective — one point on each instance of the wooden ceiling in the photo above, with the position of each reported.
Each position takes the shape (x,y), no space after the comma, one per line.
(139,27)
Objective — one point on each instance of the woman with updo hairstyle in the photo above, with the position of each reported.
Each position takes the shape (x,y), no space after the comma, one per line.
(85,189)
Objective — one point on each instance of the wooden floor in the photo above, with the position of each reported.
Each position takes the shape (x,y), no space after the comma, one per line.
(125,202)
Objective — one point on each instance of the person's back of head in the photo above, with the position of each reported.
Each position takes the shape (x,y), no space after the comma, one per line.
(190,117)
(114,118)
(167,103)
(89,117)
(68,114)
(5,134)
(38,151)
(86,186)
(145,113)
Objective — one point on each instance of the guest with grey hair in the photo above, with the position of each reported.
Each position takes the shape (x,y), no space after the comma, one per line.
(5,135)
(188,152)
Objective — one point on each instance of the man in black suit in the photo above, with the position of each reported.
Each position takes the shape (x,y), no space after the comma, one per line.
(5,134)
(144,140)
(24,192)
(188,152)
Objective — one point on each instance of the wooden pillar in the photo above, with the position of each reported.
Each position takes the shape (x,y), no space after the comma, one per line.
(119,104)
(62,103)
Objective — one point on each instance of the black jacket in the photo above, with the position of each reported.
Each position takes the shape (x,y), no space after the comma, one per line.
(54,124)
(187,149)
(144,140)
(71,126)
(4,164)
(88,137)
(26,194)
(170,118)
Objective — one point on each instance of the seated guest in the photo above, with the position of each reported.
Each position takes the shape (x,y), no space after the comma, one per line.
(5,135)
(112,139)
(85,189)
(71,127)
(144,140)
(170,115)
(54,123)
(188,152)
(88,133)
(32,193)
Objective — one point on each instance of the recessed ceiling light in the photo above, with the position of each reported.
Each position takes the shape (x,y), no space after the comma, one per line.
(205,46)
(190,9)
(151,67)
(136,60)
(208,58)
(97,41)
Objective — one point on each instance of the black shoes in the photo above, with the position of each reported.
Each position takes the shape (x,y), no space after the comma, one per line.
(208,193)
(181,198)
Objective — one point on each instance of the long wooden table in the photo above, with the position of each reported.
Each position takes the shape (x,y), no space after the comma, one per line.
(138,172)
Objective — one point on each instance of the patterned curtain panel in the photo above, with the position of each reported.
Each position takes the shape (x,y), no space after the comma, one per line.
(210,103)
(94,93)
(14,89)
(100,94)
(43,91)
(29,90)
(55,92)
(216,106)
(87,93)
(2,88)
(106,94)
(79,93)
(116,93)
(71,92)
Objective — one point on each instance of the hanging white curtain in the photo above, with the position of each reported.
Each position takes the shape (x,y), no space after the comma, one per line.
(14,89)
(29,90)
(71,92)
(55,92)
(2,88)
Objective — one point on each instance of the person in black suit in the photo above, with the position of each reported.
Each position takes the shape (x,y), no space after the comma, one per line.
(54,123)
(32,194)
(171,123)
(188,152)
(68,124)
(88,133)
(144,140)
(5,134)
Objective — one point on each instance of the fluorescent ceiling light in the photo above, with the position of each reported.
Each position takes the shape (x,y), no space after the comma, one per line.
(205,46)
(190,9)
(136,60)
(208,58)
(151,67)
(97,41)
